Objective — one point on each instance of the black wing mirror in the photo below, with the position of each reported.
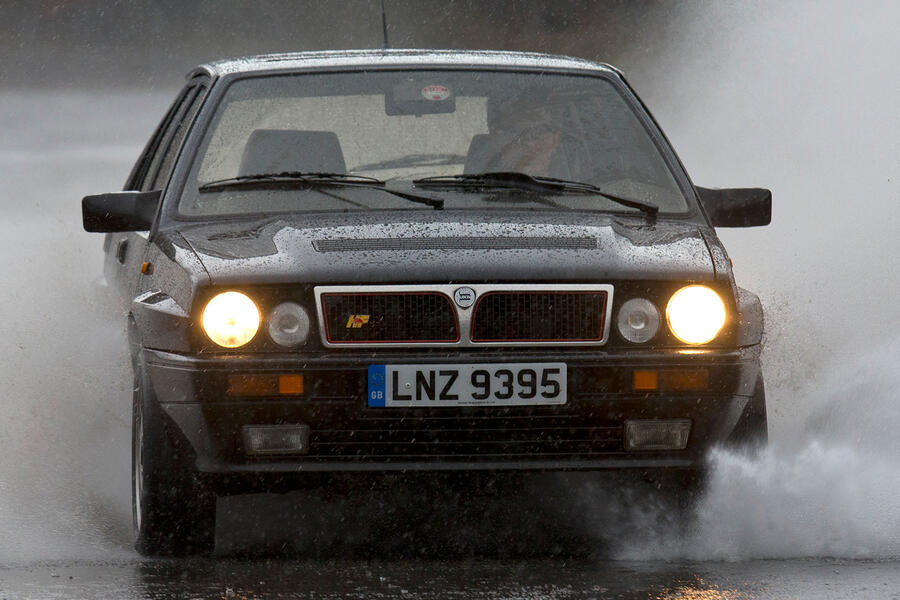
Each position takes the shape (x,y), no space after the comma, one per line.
(737,207)
(120,211)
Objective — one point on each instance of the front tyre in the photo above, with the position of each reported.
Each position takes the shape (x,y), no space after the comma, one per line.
(173,512)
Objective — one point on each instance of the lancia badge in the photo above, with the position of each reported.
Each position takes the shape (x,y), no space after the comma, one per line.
(464,297)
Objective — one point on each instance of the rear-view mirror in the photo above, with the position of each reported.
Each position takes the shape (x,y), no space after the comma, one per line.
(420,97)
(737,207)
(119,211)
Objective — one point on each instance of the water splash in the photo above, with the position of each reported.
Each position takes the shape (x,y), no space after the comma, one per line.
(65,381)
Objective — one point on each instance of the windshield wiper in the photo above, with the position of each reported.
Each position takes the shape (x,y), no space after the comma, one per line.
(289,176)
(313,180)
(524,181)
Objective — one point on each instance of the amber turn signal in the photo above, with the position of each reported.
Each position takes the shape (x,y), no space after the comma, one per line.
(290,385)
(681,380)
(646,381)
(265,385)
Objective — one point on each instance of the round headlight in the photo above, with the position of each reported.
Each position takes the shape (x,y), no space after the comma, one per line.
(638,320)
(230,319)
(288,324)
(696,314)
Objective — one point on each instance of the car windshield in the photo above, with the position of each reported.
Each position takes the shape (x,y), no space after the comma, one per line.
(402,126)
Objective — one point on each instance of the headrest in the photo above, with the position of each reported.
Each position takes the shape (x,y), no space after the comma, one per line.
(275,150)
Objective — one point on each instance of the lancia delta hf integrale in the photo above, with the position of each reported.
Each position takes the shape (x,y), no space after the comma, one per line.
(375,261)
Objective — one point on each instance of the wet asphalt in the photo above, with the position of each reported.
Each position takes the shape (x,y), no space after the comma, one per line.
(489,578)
(404,544)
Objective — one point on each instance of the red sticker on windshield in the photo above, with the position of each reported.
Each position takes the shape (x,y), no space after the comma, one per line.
(435,92)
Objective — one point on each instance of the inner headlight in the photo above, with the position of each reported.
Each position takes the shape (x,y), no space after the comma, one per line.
(695,314)
(230,319)
(289,324)
(638,320)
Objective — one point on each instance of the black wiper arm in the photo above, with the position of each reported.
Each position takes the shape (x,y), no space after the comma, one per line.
(500,179)
(304,179)
(435,203)
(528,182)
(577,186)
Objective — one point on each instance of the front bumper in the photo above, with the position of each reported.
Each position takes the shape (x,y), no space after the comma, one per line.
(348,436)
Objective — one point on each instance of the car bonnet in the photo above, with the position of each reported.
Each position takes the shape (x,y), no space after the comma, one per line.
(443,248)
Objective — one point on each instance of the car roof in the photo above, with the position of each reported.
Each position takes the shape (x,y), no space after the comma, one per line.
(297,61)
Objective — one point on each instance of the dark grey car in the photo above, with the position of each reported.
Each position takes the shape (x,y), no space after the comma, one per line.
(419,261)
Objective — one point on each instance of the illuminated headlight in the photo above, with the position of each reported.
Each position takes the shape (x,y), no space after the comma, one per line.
(695,314)
(230,319)
(289,324)
(638,320)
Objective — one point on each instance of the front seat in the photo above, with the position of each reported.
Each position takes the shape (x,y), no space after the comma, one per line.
(278,150)
(482,153)
(486,155)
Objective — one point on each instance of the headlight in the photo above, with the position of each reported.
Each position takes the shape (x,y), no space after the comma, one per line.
(696,314)
(230,319)
(288,324)
(638,320)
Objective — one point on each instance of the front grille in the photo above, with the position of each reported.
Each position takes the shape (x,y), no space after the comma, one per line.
(389,317)
(524,316)
(427,314)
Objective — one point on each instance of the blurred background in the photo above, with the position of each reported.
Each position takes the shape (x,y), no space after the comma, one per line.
(90,42)
(801,97)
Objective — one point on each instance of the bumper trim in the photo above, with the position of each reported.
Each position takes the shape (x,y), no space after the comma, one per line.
(345,358)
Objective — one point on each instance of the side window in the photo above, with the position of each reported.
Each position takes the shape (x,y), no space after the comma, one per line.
(168,151)
(138,177)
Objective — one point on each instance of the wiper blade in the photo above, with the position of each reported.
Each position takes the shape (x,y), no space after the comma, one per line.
(289,177)
(530,182)
(312,180)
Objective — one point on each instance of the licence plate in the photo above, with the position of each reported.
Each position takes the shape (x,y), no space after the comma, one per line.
(500,384)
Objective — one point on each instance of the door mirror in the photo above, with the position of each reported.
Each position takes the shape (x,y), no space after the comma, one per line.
(737,207)
(120,211)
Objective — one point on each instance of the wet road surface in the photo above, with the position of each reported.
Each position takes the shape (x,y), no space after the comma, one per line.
(530,579)
(399,544)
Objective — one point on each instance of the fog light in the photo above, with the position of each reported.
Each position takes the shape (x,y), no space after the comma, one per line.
(276,439)
(657,434)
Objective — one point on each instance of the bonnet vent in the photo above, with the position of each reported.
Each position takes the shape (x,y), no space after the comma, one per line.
(455,243)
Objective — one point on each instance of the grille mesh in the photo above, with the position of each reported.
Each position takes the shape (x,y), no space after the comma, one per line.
(539,316)
(389,317)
